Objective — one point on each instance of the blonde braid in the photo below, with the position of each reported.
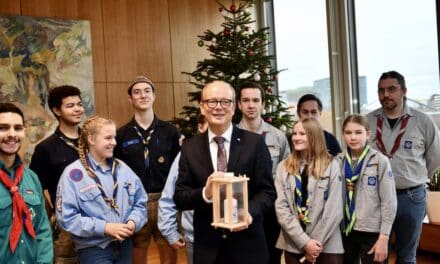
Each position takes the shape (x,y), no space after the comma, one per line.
(90,127)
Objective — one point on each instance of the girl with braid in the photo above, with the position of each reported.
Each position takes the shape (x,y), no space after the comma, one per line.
(100,200)
(309,202)
(370,195)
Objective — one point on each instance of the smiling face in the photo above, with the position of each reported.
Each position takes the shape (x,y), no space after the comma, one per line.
(299,138)
(11,134)
(102,143)
(71,110)
(142,96)
(219,115)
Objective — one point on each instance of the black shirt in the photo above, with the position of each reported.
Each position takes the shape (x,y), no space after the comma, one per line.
(332,143)
(50,158)
(163,148)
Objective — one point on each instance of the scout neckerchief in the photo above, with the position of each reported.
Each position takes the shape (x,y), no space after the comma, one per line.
(350,180)
(68,141)
(145,141)
(379,141)
(302,200)
(20,211)
(110,201)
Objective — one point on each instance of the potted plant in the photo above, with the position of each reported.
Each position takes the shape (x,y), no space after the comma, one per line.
(433,199)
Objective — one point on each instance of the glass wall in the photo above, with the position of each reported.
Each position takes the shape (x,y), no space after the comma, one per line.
(302,52)
(398,35)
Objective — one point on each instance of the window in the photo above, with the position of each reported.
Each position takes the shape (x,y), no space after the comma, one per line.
(398,35)
(302,50)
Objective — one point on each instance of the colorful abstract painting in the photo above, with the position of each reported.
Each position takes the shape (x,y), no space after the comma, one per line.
(37,54)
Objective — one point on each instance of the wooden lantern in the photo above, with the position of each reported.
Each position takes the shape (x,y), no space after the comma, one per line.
(230,201)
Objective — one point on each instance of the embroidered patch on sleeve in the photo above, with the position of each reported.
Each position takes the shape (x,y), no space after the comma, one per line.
(76,175)
(407,144)
(390,174)
(59,203)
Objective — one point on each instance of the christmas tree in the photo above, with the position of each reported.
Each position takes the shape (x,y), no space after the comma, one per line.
(238,54)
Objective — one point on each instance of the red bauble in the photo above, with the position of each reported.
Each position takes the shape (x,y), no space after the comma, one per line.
(226,32)
(233,8)
(269,120)
(269,89)
(274,77)
(250,52)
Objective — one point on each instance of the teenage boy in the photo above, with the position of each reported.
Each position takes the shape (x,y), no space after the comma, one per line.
(148,145)
(53,154)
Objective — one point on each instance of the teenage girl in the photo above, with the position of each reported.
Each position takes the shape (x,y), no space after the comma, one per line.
(370,195)
(100,200)
(309,203)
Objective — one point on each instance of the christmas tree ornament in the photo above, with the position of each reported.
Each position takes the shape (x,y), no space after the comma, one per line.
(213,40)
(283,128)
(269,119)
(233,8)
(237,28)
(244,75)
(263,111)
(200,43)
(274,77)
(275,102)
(220,9)
(269,89)
(266,70)
(187,118)
(226,32)
(250,52)
(257,77)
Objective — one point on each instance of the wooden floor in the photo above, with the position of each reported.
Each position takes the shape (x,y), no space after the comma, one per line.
(423,257)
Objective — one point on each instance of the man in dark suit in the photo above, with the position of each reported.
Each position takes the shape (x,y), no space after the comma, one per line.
(246,153)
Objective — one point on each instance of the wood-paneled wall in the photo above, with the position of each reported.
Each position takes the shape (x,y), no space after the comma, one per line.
(131,37)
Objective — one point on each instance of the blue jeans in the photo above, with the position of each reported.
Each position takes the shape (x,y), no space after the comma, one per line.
(114,253)
(411,207)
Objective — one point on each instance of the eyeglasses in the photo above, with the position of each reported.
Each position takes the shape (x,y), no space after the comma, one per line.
(212,103)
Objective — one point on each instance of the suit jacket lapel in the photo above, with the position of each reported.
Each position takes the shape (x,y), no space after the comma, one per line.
(235,149)
(206,152)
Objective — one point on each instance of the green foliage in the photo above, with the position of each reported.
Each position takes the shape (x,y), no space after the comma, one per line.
(434,182)
(238,54)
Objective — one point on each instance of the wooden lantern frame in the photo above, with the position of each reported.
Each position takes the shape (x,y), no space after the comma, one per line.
(228,182)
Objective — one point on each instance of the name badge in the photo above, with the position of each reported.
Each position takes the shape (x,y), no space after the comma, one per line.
(130,142)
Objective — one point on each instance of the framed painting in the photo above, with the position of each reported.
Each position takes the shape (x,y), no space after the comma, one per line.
(37,54)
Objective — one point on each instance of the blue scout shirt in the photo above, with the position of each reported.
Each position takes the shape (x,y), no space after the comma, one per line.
(167,221)
(82,211)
